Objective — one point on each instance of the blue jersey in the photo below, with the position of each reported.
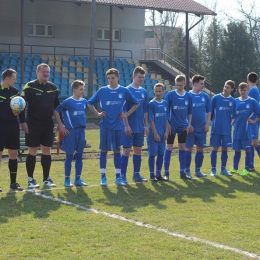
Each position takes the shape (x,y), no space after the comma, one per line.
(244,110)
(112,101)
(254,93)
(136,119)
(73,112)
(200,108)
(159,114)
(223,110)
(180,106)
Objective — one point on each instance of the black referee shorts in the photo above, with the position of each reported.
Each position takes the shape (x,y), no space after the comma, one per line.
(181,138)
(9,135)
(40,133)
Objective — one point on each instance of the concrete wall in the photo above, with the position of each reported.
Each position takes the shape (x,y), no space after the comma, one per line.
(71,27)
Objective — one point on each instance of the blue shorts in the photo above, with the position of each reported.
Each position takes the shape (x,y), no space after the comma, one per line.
(75,141)
(110,140)
(243,144)
(197,138)
(254,128)
(155,148)
(220,140)
(133,140)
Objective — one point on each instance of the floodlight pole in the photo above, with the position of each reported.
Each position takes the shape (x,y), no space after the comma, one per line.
(188,49)
(92,50)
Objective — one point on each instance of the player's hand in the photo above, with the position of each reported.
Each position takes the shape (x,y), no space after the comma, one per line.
(250,121)
(16,113)
(156,137)
(189,129)
(64,130)
(102,114)
(122,115)
(165,136)
(206,128)
(24,127)
(128,130)
(146,131)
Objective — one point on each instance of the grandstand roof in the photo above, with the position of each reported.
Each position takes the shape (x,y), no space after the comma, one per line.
(183,6)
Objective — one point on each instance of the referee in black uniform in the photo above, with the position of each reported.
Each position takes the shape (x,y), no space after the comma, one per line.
(9,126)
(42,98)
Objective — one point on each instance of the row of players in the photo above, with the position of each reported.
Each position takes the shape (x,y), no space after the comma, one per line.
(187,114)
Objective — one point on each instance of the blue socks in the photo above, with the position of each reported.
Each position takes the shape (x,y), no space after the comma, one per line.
(213,156)
(188,160)
(151,165)
(159,163)
(67,166)
(117,164)
(103,163)
(224,157)
(236,160)
(78,166)
(182,161)
(199,156)
(137,164)
(247,159)
(167,159)
(124,163)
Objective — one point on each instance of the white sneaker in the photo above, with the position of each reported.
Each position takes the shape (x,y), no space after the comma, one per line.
(49,183)
(32,184)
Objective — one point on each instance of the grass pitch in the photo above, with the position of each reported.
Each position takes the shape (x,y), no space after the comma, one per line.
(217,209)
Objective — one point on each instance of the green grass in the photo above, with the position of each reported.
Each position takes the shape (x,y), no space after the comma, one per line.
(219,209)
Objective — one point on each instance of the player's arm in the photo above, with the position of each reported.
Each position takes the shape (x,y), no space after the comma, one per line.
(95,112)
(208,120)
(128,130)
(62,128)
(167,130)
(155,134)
(189,127)
(23,124)
(146,131)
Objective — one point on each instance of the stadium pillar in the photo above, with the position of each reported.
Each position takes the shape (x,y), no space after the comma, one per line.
(111,37)
(92,50)
(22,41)
(188,49)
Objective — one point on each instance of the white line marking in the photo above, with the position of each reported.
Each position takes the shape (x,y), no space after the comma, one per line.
(139,223)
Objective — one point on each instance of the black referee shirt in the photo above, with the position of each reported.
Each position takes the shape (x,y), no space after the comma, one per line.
(6,114)
(41,100)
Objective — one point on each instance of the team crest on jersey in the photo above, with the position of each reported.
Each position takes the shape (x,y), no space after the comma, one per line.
(186,102)
(247,106)
(203,99)
(230,104)
(120,95)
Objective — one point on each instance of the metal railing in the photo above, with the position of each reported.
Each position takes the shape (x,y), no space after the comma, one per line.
(63,50)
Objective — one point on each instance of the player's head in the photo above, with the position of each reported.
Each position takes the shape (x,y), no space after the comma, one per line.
(138,75)
(158,90)
(252,77)
(113,77)
(9,77)
(229,86)
(77,87)
(180,82)
(43,72)
(243,89)
(198,82)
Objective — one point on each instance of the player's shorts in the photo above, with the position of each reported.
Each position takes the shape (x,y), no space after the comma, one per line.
(9,135)
(110,140)
(243,144)
(254,128)
(181,137)
(75,141)
(40,133)
(220,140)
(197,138)
(155,148)
(133,140)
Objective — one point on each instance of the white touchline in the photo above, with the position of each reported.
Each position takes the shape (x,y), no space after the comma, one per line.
(139,223)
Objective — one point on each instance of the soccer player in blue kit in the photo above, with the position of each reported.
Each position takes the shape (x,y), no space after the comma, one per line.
(199,125)
(158,132)
(180,107)
(74,115)
(223,110)
(111,99)
(245,108)
(252,79)
(136,125)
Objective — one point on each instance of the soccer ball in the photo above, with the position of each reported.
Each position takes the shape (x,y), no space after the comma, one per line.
(17,104)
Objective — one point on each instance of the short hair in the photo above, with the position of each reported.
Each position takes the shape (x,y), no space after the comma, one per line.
(243,85)
(8,73)
(158,85)
(113,71)
(140,70)
(231,83)
(42,65)
(252,77)
(196,78)
(180,78)
(77,83)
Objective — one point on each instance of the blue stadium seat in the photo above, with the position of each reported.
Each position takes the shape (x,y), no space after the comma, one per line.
(99,70)
(86,59)
(131,66)
(64,81)
(15,56)
(65,64)
(94,87)
(6,61)
(71,58)
(85,64)
(44,61)
(4,67)
(57,75)
(70,93)
(37,57)
(28,63)
(128,82)
(34,68)
(12,67)
(28,68)
(36,62)
(79,58)
(63,91)
(56,81)
(25,80)
(148,82)
(150,94)
(17,86)
(29,57)
(124,61)
(101,82)
(147,76)
(72,70)
(154,81)
(18,68)
(6,56)
(18,80)
(149,88)
(27,74)
(127,76)
(122,82)
(1,56)
(79,75)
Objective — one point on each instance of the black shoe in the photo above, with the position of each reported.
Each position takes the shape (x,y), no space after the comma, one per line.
(186,177)
(251,169)
(15,186)
(153,178)
(160,178)
(167,177)
(0,190)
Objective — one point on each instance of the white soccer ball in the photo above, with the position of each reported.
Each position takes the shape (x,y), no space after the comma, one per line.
(17,104)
